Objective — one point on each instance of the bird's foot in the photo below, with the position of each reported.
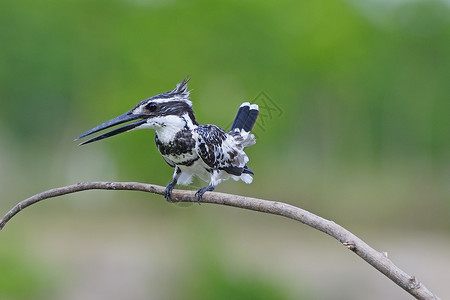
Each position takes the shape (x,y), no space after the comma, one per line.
(168,191)
(201,191)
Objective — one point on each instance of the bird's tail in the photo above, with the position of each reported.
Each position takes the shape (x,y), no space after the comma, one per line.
(243,124)
(245,117)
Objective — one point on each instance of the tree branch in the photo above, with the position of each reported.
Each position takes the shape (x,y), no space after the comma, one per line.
(376,259)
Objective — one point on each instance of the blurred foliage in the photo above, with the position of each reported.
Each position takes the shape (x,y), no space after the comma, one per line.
(214,273)
(355,121)
(212,280)
(22,277)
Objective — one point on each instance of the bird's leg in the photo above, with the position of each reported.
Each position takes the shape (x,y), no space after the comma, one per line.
(168,190)
(172,184)
(215,180)
(201,191)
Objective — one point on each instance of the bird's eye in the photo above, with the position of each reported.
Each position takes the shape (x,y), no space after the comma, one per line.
(151,106)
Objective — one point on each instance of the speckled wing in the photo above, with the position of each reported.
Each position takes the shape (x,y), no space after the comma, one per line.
(218,150)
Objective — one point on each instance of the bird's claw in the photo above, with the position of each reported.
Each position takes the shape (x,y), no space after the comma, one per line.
(199,195)
(168,192)
(200,192)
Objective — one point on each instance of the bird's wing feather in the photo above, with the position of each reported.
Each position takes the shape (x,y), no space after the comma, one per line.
(217,149)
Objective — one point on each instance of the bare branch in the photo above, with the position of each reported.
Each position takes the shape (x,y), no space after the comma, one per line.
(376,259)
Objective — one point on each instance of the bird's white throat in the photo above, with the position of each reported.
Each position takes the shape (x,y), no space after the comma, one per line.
(167,127)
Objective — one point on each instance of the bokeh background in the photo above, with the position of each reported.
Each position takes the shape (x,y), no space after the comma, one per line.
(354,126)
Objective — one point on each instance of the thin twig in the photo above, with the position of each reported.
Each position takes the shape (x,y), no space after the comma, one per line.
(376,259)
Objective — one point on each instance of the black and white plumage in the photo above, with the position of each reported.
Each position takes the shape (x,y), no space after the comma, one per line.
(206,151)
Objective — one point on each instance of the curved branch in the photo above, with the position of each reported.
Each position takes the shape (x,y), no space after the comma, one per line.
(376,259)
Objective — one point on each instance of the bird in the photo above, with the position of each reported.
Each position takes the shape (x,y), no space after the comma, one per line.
(206,151)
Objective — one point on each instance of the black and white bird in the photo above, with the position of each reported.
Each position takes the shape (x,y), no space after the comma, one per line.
(206,151)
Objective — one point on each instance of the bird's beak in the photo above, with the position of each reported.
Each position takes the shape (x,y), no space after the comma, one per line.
(116,121)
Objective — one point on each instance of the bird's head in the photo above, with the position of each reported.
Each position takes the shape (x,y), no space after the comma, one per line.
(169,109)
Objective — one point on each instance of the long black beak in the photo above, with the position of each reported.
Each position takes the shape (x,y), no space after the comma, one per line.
(116,121)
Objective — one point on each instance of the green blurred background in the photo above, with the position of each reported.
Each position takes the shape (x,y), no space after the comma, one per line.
(354,126)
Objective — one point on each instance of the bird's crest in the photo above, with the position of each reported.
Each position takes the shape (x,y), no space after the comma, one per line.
(180,92)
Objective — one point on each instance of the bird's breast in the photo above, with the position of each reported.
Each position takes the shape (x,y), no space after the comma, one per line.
(180,150)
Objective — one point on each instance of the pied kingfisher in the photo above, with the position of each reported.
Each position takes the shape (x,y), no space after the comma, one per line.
(206,151)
